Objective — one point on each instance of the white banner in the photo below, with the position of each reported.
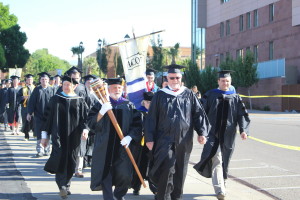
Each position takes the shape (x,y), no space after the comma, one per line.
(134,54)
(15,72)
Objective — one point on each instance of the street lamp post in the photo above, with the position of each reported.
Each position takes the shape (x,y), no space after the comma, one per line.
(80,55)
(99,54)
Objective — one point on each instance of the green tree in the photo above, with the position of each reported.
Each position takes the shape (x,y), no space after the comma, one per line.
(208,79)
(173,52)
(78,50)
(2,57)
(103,56)
(157,59)
(42,61)
(7,20)
(119,65)
(15,53)
(90,66)
(192,73)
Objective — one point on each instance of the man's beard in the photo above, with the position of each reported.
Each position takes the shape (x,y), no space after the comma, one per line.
(115,96)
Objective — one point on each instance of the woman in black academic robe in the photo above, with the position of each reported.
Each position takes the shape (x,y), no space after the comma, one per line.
(64,120)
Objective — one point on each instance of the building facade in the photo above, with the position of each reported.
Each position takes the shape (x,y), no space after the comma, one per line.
(270,29)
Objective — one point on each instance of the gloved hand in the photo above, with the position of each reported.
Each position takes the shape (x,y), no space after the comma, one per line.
(105,107)
(126,141)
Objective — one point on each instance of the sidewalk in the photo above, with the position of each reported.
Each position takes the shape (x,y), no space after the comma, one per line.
(22,178)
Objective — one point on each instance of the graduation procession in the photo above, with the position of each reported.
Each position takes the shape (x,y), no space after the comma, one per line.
(95,134)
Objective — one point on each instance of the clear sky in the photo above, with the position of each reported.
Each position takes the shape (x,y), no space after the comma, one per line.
(59,25)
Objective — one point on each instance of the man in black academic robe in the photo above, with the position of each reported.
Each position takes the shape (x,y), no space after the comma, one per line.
(3,94)
(64,120)
(11,101)
(111,165)
(225,111)
(38,101)
(22,98)
(173,115)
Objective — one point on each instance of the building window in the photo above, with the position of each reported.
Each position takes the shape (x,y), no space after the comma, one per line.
(255,53)
(271,50)
(227,55)
(248,18)
(228,27)
(239,53)
(221,29)
(248,49)
(241,23)
(255,18)
(221,57)
(224,1)
(271,12)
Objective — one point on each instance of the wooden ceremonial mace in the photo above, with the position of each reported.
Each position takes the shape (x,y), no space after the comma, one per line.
(98,88)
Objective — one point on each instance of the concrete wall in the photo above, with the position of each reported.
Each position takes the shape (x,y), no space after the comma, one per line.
(217,12)
(296,12)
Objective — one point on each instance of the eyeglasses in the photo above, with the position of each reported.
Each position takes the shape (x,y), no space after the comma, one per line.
(172,78)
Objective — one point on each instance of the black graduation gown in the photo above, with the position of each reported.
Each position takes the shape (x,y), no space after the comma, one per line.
(225,112)
(26,126)
(11,99)
(38,101)
(171,119)
(3,114)
(107,148)
(64,120)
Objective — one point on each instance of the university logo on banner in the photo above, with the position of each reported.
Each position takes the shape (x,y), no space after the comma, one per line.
(134,53)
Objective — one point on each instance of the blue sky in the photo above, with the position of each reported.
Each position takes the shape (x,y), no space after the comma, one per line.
(59,25)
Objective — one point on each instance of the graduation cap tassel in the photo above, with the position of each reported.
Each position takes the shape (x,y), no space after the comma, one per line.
(98,88)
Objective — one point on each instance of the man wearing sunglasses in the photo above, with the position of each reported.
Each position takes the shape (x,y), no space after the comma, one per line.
(173,115)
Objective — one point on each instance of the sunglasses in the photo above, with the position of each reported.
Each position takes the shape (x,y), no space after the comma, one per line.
(172,78)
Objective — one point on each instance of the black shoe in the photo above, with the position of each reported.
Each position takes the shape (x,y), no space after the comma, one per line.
(136,192)
(38,155)
(68,191)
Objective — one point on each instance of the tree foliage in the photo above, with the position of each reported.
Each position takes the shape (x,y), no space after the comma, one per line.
(245,72)
(103,56)
(90,66)
(7,20)
(15,53)
(2,57)
(157,59)
(173,52)
(42,61)
(119,65)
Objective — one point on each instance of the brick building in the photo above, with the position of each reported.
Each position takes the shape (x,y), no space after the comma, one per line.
(268,28)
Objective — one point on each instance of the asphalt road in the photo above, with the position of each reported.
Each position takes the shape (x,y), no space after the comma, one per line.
(271,165)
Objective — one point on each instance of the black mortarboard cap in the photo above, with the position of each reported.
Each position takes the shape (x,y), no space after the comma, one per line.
(29,76)
(112,81)
(225,73)
(89,77)
(73,70)
(52,78)
(150,71)
(14,77)
(71,80)
(57,76)
(174,68)
(44,74)
(148,96)
(7,80)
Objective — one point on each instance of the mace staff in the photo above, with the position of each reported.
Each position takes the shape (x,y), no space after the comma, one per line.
(98,88)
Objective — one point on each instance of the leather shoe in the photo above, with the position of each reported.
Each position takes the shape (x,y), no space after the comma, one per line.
(79,175)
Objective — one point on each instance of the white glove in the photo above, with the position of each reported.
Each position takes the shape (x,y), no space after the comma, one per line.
(126,141)
(105,107)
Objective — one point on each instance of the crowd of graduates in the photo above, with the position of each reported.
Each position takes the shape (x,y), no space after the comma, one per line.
(72,126)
